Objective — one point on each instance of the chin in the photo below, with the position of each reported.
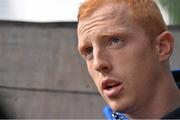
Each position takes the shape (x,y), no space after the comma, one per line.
(123,107)
(116,107)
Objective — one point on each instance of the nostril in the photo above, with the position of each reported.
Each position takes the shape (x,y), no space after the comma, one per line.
(103,68)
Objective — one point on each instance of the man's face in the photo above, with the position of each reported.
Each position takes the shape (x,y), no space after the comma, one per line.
(120,57)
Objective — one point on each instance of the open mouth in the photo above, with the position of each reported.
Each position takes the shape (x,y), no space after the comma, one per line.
(111,88)
(109,84)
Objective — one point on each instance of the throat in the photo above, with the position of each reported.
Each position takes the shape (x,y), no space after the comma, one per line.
(158,107)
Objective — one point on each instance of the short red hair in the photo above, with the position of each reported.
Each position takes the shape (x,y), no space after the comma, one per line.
(145,12)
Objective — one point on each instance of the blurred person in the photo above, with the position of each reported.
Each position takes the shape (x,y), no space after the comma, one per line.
(127,47)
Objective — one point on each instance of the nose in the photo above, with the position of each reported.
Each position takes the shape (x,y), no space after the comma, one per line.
(102,62)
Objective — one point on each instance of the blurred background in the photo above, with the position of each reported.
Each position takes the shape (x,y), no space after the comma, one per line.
(41,72)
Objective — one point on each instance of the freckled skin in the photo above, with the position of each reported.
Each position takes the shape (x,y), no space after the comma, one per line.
(134,61)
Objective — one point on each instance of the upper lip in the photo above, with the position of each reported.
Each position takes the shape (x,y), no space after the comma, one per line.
(109,83)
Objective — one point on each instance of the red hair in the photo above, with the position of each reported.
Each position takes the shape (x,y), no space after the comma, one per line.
(145,12)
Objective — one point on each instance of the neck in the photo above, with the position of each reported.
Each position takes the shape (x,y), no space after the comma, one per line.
(165,100)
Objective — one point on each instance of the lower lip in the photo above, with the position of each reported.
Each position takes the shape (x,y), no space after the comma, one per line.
(113,92)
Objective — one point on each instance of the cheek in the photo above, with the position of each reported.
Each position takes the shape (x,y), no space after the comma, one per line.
(90,69)
(134,64)
(93,73)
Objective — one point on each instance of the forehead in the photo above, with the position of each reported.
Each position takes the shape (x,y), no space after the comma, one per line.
(109,9)
(108,12)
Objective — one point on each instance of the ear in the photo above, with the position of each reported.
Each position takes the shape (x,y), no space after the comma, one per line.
(164,46)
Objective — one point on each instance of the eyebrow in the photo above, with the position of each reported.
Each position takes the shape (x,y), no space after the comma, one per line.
(113,33)
(86,41)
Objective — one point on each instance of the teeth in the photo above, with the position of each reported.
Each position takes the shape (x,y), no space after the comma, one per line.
(111,84)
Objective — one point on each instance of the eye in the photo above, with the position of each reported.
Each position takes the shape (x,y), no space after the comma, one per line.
(115,40)
(88,52)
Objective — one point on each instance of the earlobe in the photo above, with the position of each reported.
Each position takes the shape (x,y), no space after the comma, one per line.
(164,45)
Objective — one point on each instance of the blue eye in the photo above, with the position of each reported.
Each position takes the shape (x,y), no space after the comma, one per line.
(115,40)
